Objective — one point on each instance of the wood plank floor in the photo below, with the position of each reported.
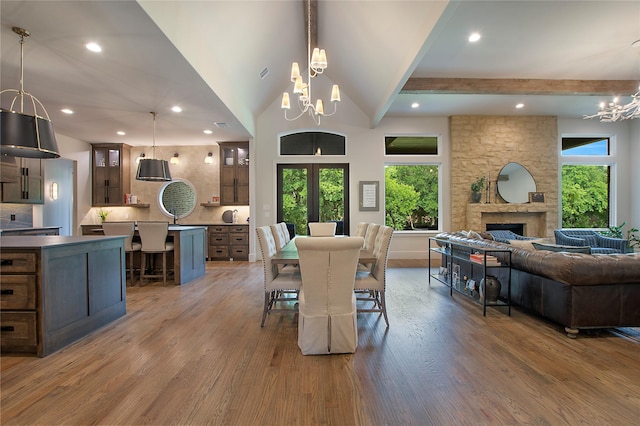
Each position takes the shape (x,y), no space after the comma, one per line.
(196,355)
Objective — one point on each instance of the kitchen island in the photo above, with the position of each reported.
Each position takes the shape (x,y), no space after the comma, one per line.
(57,289)
(189,249)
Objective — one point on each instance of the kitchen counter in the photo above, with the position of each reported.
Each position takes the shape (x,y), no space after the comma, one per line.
(43,230)
(58,289)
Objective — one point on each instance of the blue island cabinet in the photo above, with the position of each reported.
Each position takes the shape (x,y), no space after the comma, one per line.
(57,289)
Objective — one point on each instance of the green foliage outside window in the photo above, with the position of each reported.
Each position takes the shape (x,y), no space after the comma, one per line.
(294,198)
(411,197)
(585,196)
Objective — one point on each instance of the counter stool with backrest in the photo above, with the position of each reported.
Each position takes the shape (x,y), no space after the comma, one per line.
(127,229)
(154,240)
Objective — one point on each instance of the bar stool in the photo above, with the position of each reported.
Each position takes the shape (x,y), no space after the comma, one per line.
(153,235)
(127,229)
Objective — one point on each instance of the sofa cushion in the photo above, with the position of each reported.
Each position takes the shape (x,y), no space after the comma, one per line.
(561,248)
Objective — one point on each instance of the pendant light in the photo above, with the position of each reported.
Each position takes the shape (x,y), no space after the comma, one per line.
(152,169)
(21,134)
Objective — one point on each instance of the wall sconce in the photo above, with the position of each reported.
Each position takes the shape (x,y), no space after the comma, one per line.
(209,158)
(141,157)
(175,159)
(53,191)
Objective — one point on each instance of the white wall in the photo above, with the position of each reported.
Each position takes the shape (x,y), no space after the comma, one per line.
(634,181)
(365,155)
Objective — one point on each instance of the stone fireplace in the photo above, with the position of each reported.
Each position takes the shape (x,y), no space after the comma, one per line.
(533,217)
(481,146)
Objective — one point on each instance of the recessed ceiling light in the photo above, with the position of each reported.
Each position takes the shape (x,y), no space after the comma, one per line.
(207,132)
(176,109)
(67,110)
(120,133)
(415,105)
(519,106)
(94,47)
(474,37)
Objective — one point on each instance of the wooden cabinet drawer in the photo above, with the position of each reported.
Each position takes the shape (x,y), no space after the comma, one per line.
(18,292)
(18,329)
(238,239)
(219,239)
(218,229)
(239,229)
(17,262)
(239,253)
(218,252)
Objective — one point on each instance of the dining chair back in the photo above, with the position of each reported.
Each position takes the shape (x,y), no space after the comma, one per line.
(153,235)
(280,287)
(126,228)
(370,236)
(361,230)
(327,320)
(279,235)
(285,231)
(370,285)
(322,229)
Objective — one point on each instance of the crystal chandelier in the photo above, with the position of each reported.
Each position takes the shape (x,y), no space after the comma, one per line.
(618,112)
(317,63)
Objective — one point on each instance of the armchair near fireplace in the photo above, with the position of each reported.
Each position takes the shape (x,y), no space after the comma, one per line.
(583,237)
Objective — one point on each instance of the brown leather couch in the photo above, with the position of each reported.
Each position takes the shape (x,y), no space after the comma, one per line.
(575,290)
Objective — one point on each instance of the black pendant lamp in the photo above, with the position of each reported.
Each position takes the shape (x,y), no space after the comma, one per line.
(24,135)
(152,169)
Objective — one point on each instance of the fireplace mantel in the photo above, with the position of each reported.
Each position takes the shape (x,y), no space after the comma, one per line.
(533,215)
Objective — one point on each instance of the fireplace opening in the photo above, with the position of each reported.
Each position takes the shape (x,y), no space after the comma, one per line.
(516,228)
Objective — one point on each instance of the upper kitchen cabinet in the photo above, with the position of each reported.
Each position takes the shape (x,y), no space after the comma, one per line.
(22,180)
(234,173)
(110,173)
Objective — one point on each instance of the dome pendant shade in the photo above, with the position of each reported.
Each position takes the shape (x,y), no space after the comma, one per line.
(23,135)
(153,170)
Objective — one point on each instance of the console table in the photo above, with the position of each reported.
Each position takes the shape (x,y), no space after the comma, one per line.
(475,263)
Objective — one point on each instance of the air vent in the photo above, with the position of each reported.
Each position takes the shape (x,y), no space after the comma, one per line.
(221,124)
(264,73)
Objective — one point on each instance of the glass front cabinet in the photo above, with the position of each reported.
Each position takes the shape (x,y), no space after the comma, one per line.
(234,173)
(111,177)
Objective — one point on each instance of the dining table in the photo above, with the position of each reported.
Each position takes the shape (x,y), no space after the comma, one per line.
(288,255)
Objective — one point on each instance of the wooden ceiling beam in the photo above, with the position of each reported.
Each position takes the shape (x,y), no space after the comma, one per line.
(517,86)
(311,22)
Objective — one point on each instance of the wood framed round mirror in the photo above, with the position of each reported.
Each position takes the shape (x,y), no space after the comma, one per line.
(514,183)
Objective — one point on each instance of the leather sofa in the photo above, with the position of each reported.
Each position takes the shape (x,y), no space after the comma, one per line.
(578,291)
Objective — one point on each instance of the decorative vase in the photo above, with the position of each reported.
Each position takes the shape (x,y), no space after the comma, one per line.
(476,197)
(491,286)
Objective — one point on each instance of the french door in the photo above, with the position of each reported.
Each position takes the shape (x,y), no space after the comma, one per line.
(313,192)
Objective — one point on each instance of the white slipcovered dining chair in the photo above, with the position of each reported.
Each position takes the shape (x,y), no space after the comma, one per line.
(280,287)
(126,228)
(153,235)
(327,320)
(322,229)
(370,285)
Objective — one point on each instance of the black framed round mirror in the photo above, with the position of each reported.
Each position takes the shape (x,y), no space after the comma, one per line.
(177,198)
(514,183)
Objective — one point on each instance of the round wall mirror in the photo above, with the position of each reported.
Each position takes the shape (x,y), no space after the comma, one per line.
(177,198)
(514,183)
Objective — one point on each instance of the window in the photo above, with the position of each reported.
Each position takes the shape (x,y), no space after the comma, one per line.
(312,143)
(411,197)
(411,145)
(586,182)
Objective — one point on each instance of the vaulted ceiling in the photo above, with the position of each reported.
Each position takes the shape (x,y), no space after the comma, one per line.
(556,57)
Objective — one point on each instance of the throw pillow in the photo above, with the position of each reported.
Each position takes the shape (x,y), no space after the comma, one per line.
(560,248)
(526,244)
(474,235)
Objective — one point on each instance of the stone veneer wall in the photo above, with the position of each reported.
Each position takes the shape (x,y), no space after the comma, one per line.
(482,145)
